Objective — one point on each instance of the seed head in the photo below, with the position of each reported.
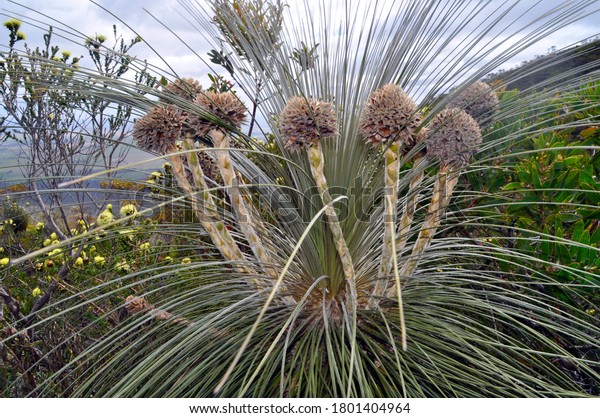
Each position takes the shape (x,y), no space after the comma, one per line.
(223,106)
(307,121)
(184,88)
(478,100)
(453,136)
(389,115)
(159,130)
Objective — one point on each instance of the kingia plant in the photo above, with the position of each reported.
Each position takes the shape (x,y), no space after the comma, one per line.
(338,265)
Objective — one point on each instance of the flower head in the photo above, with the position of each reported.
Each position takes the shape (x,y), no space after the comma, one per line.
(99,260)
(159,130)
(478,100)
(36,292)
(453,136)
(128,210)
(135,304)
(184,88)
(389,115)
(145,247)
(223,106)
(306,121)
(122,267)
(105,217)
(4,261)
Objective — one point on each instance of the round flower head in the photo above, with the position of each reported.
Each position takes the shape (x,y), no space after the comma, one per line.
(159,130)
(184,88)
(453,136)
(389,115)
(478,100)
(223,106)
(128,209)
(306,121)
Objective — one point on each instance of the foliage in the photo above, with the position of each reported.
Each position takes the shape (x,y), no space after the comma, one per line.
(547,190)
(64,133)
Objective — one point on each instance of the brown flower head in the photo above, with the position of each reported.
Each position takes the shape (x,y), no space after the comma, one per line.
(389,115)
(224,106)
(159,130)
(135,304)
(478,100)
(306,121)
(453,136)
(184,88)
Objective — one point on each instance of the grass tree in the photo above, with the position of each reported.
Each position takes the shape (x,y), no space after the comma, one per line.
(296,298)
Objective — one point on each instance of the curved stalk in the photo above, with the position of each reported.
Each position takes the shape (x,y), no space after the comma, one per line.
(239,203)
(392,169)
(316,159)
(206,212)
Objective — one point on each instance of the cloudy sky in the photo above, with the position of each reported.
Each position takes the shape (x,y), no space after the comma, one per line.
(83,17)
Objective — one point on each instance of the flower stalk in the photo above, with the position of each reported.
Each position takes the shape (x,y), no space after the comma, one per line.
(390,119)
(453,137)
(239,202)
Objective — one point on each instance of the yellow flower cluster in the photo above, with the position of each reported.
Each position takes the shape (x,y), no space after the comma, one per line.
(122,267)
(145,247)
(128,210)
(106,216)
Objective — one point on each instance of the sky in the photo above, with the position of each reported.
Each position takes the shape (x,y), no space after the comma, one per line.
(89,19)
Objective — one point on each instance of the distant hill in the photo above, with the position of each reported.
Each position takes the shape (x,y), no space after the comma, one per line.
(557,64)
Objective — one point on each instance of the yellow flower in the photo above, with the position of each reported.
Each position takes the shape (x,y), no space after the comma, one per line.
(79,262)
(99,260)
(145,246)
(1,249)
(168,259)
(36,292)
(122,267)
(105,218)
(39,226)
(4,261)
(39,266)
(54,253)
(156,175)
(128,210)
(186,260)
(53,236)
